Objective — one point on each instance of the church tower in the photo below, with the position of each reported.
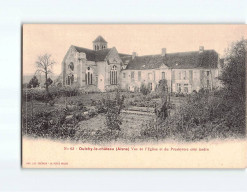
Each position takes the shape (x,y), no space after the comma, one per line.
(99,43)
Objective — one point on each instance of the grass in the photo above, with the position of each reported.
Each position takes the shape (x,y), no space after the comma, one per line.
(92,129)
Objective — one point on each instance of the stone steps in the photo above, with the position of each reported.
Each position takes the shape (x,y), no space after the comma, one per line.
(137,112)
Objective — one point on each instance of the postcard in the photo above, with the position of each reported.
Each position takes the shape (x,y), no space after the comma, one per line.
(133,96)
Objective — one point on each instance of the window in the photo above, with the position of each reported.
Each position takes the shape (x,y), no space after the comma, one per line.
(179,76)
(71,66)
(207,73)
(185,76)
(139,75)
(150,86)
(70,80)
(132,75)
(89,76)
(208,83)
(124,75)
(113,75)
(178,87)
(150,76)
(163,75)
(186,88)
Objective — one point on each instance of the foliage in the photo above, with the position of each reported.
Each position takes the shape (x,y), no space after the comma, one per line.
(44,65)
(52,124)
(162,88)
(233,74)
(203,116)
(41,95)
(162,110)
(113,108)
(144,89)
(33,83)
(49,81)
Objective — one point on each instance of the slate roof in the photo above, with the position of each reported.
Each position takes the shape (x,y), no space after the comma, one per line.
(93,55)
(121,55)
(126,58)
(100,39)
(182,60)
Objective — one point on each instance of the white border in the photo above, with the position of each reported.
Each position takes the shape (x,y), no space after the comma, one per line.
(14,13)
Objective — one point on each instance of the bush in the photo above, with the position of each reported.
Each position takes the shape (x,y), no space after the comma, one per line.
(144,89)
(33,82)
(41,95)
(113,109)
(204,116)
(50,124)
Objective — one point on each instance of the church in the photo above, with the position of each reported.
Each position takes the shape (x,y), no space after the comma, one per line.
(102,69)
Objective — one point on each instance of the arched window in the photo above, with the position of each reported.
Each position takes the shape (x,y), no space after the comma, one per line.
(97,47)
(113,75)
(71,66)
(70,80)
(89,76)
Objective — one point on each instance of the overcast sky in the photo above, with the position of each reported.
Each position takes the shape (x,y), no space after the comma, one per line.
(143,39)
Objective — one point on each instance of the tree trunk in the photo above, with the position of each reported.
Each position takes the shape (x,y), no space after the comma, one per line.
(46,83)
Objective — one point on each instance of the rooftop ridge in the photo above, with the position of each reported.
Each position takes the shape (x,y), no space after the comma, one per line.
(175,53)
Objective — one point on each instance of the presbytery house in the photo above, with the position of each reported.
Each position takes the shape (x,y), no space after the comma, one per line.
(103,68)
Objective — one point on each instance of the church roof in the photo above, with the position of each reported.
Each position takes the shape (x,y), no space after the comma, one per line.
(93,55)
(182,60)
(100,39)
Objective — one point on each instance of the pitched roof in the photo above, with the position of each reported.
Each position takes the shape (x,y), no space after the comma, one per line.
(101,54)
(100,39)
(122,55)
(125,58)
(182,60)
(93,55)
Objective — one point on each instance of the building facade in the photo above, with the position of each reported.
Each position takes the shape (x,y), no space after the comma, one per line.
(103,68)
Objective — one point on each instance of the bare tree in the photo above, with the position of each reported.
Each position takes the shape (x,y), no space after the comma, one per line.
(44,65)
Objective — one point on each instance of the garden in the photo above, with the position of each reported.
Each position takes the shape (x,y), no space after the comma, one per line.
(70,113)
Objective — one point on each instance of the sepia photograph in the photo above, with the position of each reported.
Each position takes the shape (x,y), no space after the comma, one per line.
(132,88)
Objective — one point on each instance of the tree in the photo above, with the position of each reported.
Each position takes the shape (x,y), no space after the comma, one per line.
(44,65)
(113,109)
(33,82)
(49,81)
(144,89)
(162,89)
(233,70)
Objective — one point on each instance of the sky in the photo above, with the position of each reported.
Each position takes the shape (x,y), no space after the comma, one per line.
(144,39)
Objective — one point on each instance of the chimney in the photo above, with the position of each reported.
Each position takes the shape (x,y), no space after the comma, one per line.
(133,55)
(163,51)
(201,49)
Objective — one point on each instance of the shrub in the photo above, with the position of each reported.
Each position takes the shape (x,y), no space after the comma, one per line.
(113,109)
(51,124)
(33,82)
(204,115)
(144,89)
(41,95)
